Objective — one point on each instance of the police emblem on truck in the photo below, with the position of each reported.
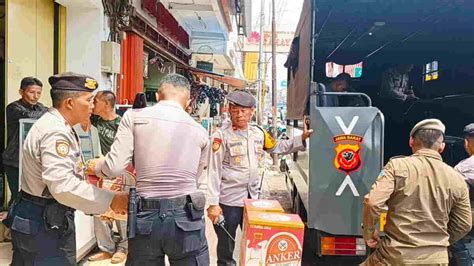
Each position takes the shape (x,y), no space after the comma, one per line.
(347,157)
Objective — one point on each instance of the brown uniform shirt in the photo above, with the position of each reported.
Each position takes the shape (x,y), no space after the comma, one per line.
(428,208)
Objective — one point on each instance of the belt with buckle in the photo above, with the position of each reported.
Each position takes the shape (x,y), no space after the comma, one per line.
(149,204)
(36,200)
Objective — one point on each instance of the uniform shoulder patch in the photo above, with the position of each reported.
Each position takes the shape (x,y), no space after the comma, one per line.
(62,148)
(216,144)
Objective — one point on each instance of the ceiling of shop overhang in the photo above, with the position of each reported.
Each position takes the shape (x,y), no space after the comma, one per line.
(350,31)
(199,17)
(81,3)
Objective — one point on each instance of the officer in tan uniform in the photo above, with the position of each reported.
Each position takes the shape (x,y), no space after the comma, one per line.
(428,204)
(237,149)
(52,179)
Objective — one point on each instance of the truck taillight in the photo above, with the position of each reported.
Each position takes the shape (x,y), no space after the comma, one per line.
(342,246)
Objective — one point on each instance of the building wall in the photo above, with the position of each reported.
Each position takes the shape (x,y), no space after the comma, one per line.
(84,33)
(30,42)
(30,52)
(29,45)
(86,28)
(83,41)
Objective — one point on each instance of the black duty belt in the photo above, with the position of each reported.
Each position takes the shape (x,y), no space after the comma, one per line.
(36,200)
(149,204)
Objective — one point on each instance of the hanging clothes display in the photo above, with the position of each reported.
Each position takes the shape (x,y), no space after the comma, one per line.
(201,92)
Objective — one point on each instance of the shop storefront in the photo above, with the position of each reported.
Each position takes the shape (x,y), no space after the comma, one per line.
(41,38)
(150,50)
(155,45)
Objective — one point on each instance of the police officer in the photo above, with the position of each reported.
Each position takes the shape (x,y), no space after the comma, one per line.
(466,166)
(237,149)
(52,179)
(460,254)
(428,204)
(169,150)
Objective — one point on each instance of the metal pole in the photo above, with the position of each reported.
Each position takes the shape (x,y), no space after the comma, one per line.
(274,92)
(264,83)
(260,65)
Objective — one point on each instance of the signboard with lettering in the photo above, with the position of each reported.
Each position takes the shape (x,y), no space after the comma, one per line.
(271,238)
(205,65)
(283,41)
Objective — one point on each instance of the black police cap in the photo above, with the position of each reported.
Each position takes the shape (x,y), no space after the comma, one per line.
(469,130)
(70,81)
(242,98)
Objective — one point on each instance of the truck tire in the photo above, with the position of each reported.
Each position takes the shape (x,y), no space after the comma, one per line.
(310,246)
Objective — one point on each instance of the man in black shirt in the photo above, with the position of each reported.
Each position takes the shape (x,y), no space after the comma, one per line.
(28,106)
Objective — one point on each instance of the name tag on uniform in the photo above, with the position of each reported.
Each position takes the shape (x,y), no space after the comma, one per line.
(141,121)
(236,152)
(233,144)
(259,151)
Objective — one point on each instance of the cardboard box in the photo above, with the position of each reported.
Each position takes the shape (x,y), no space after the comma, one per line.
(271,238)
(262,205)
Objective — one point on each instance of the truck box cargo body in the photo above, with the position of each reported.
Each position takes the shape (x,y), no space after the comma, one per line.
(351,143)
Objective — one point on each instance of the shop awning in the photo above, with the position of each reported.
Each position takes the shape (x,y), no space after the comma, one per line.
(231,81)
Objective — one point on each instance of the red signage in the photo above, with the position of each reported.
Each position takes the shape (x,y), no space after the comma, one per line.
(283,249)
(282,41)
